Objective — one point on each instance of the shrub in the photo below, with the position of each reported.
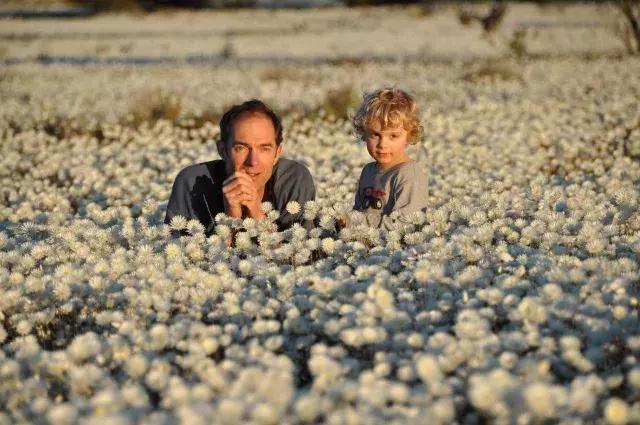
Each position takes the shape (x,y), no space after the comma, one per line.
(339,102)
(153,106)
(494,71)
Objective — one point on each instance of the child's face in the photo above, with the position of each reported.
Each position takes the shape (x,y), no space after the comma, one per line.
(387,146)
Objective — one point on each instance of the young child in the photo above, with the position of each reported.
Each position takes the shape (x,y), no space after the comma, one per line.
(388,121)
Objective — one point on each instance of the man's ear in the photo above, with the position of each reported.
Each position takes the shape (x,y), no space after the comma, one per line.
(222,149)
(278,151)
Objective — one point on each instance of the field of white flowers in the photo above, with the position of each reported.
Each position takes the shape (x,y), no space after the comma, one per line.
(513,299)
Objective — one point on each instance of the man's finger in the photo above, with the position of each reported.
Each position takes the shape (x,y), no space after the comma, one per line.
(241,193)
(238,187)
(234,185)
(237,175)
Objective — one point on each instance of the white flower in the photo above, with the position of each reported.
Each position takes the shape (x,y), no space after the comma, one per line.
(159,337)
(616,411)
(223,231)
(63,414)
(173,251)
(230,411)
(245,267)
(428,369)
(633,376)
(328,245)
(265,414)
(134,395)
(302,256)
(443,410)
(327,222)
(293,207)
(470,325)
(136,366)
(178,222)
(311,209)
(267,207)
(307,407)
(539,398)
(487,391)
(415,340)
(157,377)
(243,240)
(84,347)
(194,227)
(532,310)
(273,215)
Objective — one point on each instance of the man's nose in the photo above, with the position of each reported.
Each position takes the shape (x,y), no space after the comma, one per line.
(251,159)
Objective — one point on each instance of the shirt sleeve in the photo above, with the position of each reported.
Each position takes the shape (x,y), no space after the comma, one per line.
(357,202)
(299,187)
(179,201)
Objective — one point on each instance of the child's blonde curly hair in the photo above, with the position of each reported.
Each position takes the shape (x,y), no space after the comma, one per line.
(389,107)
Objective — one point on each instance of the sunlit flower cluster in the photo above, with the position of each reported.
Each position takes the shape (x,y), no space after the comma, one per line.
(513,299)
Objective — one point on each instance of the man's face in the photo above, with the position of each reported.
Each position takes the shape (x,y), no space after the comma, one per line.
(253,148)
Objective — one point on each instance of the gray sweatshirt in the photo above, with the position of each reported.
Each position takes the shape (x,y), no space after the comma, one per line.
(403,188)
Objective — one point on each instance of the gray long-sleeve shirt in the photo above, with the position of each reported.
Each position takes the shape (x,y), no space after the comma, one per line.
(197,192)
(403,188)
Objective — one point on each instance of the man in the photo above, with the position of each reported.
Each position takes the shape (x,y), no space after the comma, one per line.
(249,173)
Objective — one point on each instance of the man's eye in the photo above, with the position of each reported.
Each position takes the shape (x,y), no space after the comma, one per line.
(238,148)
(266,149)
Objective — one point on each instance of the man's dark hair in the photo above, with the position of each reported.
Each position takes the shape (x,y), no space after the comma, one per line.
(250,106)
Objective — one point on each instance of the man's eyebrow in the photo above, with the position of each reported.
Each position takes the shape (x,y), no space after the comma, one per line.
(239,142)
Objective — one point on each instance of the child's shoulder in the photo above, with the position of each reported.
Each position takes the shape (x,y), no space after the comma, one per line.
(370,168)
(408,168)
(408,172)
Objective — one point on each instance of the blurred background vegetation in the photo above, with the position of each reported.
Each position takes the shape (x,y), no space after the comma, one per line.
(123,5)
(627,27)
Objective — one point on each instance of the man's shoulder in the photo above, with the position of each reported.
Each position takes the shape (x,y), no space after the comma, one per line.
(289,168)
(193,171)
